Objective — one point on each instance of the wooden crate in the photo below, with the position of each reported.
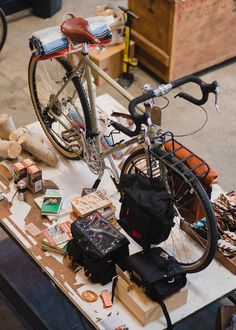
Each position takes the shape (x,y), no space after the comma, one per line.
(109,59)
(229,263)
(175,38)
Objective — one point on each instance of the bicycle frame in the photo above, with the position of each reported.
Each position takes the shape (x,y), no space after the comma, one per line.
(84,69)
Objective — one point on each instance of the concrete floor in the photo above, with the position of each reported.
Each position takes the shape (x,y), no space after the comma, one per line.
(215,142)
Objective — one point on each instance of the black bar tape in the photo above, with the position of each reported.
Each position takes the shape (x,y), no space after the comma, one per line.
(126,130)
(205,88)
(142,98)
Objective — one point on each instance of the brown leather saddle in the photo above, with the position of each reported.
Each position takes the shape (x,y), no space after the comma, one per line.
(76,29)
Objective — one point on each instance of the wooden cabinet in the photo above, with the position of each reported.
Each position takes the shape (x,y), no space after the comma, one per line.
(175,38)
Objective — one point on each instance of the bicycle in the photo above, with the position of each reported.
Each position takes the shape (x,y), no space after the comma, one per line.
(3,28)
(69,118)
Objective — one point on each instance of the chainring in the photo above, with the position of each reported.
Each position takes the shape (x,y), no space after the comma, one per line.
(92,158)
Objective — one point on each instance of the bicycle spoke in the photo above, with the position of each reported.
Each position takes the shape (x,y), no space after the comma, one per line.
(187,195)
(47,74)
(69,108)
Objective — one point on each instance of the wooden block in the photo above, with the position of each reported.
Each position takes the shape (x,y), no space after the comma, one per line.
(143,308)
(4,183)
(109,59)
(6,169)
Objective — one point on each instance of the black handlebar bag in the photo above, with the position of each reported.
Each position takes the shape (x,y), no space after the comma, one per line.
(147,211)
(97,246)
(158,274)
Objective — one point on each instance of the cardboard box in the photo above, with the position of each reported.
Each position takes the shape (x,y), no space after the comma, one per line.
(109,59)
(20,169)
(35,178)
(143,308)
(28,162)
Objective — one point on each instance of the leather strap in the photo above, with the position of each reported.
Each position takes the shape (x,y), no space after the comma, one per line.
(114,282)
(166,313)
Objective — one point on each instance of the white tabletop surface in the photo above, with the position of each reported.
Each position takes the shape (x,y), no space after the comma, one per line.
(204,287)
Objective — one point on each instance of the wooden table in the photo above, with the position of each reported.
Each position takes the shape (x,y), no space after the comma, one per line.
(204,288)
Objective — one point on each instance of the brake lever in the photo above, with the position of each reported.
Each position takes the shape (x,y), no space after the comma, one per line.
(216,92)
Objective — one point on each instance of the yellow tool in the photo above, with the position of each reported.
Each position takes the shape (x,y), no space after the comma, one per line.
(126,77)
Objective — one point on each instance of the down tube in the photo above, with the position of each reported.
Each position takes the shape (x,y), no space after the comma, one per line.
(113,83)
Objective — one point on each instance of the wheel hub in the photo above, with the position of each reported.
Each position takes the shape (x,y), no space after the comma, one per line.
(56,107)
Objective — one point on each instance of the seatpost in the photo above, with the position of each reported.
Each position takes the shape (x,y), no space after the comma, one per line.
(84,48)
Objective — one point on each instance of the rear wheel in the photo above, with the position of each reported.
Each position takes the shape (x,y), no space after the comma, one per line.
(70,111)
(3,28)
(191,201)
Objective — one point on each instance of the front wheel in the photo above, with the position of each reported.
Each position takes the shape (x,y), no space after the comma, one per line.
(190,202)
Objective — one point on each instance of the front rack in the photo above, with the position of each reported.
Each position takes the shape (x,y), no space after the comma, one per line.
(194,164)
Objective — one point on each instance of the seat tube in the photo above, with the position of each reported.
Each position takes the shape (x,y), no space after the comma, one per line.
(92,98)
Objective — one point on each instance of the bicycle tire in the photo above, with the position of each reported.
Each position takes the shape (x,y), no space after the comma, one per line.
(57,140)
(3,26)
(132,164)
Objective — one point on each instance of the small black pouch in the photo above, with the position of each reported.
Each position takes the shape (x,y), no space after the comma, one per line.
(100,246)
(158,274)
(147,211)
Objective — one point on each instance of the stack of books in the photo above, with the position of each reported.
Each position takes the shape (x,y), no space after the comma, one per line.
(50,204)
(94,200)
(57,236)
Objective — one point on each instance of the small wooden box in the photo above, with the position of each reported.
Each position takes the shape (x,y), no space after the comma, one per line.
(109,59)
(143,308)
(175,38)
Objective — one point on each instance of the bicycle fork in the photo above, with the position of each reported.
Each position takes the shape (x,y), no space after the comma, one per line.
(114,175)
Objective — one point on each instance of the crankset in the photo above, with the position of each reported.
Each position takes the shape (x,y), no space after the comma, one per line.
(92,158)
(56,106)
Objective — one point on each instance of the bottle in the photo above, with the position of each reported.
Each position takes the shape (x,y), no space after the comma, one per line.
(21,189)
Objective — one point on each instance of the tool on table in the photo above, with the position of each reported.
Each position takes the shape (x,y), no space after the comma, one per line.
(126,77)
(48,247)
(106,298)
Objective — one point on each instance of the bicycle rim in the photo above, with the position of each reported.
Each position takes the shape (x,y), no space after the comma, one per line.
(71,108)
(191,254)
(3,28)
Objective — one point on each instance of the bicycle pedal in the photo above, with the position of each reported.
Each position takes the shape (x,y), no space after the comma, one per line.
(70,135)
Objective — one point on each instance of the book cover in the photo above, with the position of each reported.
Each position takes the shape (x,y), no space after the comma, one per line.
(59,233)
(90,202)
(52,202)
